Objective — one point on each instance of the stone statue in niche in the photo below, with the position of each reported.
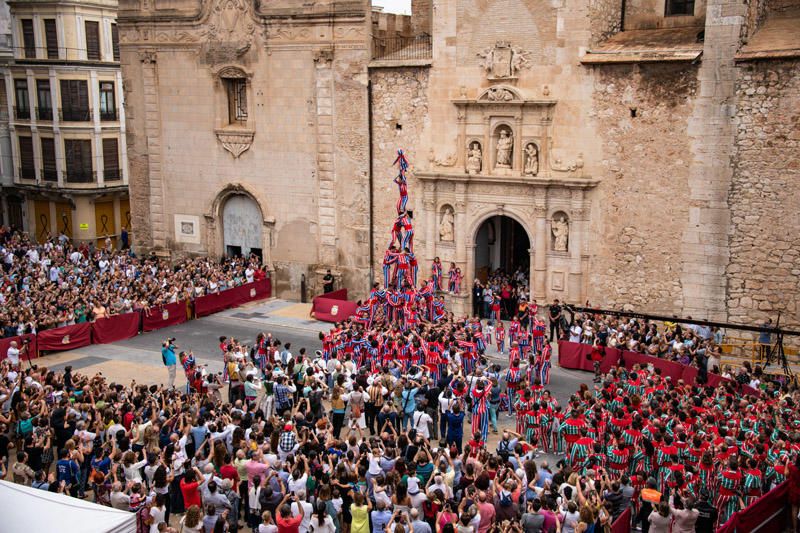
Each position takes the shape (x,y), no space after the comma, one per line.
(474,158)
(560,229)
(531,167)
(505,145)
(446,225)
(503,61)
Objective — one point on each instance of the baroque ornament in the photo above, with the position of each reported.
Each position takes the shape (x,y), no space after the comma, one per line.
(230,21)
(236,142)
(504,61)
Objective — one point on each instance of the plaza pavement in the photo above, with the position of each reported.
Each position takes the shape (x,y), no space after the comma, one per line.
(139,358)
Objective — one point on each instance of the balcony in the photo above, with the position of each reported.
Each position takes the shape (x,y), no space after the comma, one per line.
(81,176)
(112,174)
(75,115)
(108,115)
(49,175)
(22,113)
(44,113)
(416,48)
(27,173)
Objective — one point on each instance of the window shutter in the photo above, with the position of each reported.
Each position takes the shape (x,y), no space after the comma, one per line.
(51,38)
(115,41)
(86,156)
(49,159)
(92,40)
(28,38)
(111,159)
(26,158)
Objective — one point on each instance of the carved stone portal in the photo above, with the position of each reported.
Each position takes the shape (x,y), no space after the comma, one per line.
(236,142)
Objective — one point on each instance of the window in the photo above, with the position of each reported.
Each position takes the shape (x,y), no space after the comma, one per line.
(45,109)
(49,168)
(680,7)
(75,101)
(28,39)
(115,41)
(51,38)
(108,110)
(78,154)
(236,89)
(27,171)
(23,107)
(111,170)
(92,40)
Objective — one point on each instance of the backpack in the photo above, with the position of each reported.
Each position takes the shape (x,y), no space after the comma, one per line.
(505,499)
(25,427)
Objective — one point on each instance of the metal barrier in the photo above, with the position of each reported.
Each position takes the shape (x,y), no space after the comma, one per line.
(402,48)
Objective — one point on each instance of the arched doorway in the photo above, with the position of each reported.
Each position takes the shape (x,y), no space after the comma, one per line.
(501,243)
(242,225)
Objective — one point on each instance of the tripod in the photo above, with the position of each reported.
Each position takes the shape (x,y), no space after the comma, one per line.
(776,353)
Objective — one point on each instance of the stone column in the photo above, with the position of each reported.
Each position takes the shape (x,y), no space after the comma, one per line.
(469,275)
(159,219)
(516,162)
(323,89)
(575,243)
(541,245)
(531,270)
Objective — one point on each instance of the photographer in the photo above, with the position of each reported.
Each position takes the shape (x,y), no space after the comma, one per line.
(169,359)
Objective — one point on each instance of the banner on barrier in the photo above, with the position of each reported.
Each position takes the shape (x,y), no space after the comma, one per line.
(116,328)
(32,351)
(65,338)
(333,306)
(164,316)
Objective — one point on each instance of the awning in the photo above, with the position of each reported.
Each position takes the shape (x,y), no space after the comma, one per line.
(648,46)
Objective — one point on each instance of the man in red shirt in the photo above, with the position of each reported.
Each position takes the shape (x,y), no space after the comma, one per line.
(285,521)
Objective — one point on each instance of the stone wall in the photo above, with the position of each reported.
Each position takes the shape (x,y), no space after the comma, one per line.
(763,274)
(399,113)
(604,19)
(642,206)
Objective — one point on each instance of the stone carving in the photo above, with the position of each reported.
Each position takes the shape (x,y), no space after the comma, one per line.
(504,61)
(230,21)
(236,142)
(474,159)
(560,229)
(148,57)
(531,167)
(448,161)
(499,94)
(505,145)
(323,56)
(446,225)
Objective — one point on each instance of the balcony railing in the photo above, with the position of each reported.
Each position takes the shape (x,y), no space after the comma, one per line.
(27,173)
(108,115)
(44,113)
(22,113)
(402,48)
(81,176)
(112,174)
(49,174)
(75,115)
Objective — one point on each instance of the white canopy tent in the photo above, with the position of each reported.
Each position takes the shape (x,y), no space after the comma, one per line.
(31,509)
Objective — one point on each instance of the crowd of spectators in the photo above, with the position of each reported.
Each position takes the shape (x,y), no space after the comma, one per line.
(59,283)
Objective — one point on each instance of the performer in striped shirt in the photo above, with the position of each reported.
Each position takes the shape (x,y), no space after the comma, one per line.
(500,336)
(436,273)
(729,482)
(513,379)
(480,408)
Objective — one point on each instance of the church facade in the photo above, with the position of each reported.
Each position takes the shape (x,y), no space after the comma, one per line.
(635,154)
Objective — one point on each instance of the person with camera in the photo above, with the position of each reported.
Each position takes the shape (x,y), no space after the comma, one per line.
(169,359)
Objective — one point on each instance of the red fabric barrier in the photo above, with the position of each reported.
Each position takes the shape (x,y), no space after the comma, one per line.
(65,338)
(32,352)
(164,316)
(623,523)
(575,356)
(333,306)
(116,328)
(768,513)
(233,297)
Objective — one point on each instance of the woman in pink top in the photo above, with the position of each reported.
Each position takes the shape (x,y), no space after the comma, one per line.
(445,516)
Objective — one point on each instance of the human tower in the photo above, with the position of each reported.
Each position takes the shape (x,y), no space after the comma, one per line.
(400,301)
